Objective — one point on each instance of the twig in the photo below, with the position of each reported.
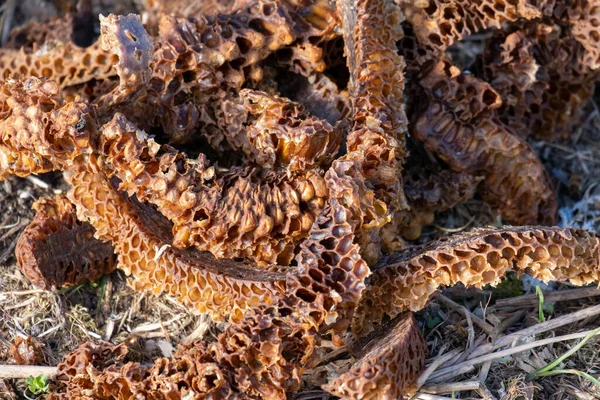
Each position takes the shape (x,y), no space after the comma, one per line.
(537,329)
(4,256)
(451,387)
(38,182)
(468,365)
(507,322)
(434,365)
(155,326)
(14,229)
(427,396)
(25,371)
(6,20)
(485,370)
(487,328)
(549,296)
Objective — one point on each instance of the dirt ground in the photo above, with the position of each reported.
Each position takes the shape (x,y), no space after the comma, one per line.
(457,324)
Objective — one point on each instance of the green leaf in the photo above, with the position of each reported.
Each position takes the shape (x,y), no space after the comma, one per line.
(540,295)
(545,371)
(37,384)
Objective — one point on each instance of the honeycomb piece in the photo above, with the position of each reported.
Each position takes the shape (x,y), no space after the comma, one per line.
(26,351)
(262,355)
(195,57)
(56,250)
(38,131)
(407,280)
(143,241)
(541,75)
(35,33)
(275,132)
(434,188)
(439,23)
(193,8)
(389,362)
(584,19)
(458,127)
(102,371)
(126,37)
(428,189)
(64,63)
(241,212)
(378,127)
(319,95)
(304,58)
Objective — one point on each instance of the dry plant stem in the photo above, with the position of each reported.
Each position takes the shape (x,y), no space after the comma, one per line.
(467,366)
(435,364)
(427,396)
(532,299)
(6,20)
(444,388)
(24,371)
(487,328)
(506,323)
(537,329)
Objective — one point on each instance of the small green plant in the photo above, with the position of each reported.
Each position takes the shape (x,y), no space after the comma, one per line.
(549,370)
(542,306)
(540,295)
(37,384)
(433,322)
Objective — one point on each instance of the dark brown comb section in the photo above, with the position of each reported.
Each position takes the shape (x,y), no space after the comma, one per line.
(56,250)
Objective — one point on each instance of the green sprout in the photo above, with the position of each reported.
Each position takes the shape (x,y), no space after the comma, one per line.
(540,295)
(37,384)
(549,370)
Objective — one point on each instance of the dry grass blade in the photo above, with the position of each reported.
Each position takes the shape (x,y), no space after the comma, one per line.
(467,366)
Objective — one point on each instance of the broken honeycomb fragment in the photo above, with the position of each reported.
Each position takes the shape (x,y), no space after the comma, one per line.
(56,250)
(196,56)
(388,363)
(39,132)
(275,132)
(242,212)
(540,73)
(457,125)
(26,351)
(143,241)
(378,124)
(440,23)
(407,280)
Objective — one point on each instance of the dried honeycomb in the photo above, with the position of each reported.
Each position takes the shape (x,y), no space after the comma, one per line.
(241,212)
(389,361)
(275,132)
(376,138)
(56,250)
(26,351)
(256,96)
(65,63)
(407,280)
(440,23)
(143,241)
(262,354)
(195,57)
(320,95)
(457,125)
(39,132)
(428,189)
(541,75)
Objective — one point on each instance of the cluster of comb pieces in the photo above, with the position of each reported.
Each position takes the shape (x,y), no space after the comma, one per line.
(231,155)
